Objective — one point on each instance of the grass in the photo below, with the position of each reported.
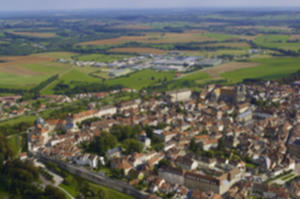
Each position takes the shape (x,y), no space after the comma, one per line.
(3,193)
(100,57)
(139,50)
(277,41)
(73,77)
(158,38)
(73,190)
(268,69)
(28,71)
(141,79)
(77,76)
(35,34)
(190,80)
(15,142)
(284,178)
(17,120)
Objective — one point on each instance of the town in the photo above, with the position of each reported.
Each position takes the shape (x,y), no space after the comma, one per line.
(223,142)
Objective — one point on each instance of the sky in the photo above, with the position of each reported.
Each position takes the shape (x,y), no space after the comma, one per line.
(28,5)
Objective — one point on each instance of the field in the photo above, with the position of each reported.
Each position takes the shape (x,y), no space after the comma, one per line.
(216,71)
(100,57)
(15,142)
(72,78)
(168,38)
(268,68)
(28,71)
(218,52)
(142,79)
(277,41)
(228,45)
(35,34)
(139,50)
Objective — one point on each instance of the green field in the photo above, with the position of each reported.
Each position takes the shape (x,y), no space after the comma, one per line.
(269,69)
(17,120)
(73,183)
(190,80)
(28,71)
(277,41)
(73,77)
(16,143)
(142,79)
(100,57)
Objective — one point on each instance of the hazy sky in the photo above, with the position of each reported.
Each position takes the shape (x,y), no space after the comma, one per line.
(11,5)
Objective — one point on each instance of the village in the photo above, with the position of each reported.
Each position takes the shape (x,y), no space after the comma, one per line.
(224,142)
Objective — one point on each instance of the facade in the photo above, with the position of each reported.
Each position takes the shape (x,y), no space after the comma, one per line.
(179,95)
(172,175)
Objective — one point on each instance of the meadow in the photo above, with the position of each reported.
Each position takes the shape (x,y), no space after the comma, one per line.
(278,41)
(28,71)
(138,50)
(142,79)
(35,34)
(100,57)
(268,69)
(167,38)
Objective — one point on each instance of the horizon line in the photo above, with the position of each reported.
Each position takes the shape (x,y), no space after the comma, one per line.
(154,8)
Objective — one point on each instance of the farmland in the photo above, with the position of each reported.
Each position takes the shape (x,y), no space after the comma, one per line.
(28,71)
(277,41)
(157,38)
(269,69)
(34,34)
(142,79)
(98,39)
(216,71)
(99,57)
(138,50)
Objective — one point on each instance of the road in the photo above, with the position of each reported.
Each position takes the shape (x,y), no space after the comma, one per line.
(57,179)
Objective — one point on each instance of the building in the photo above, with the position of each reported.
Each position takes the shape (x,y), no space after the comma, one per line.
(295,149)
(179,95)
(172,175)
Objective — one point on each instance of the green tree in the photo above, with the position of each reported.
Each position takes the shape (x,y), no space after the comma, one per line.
(102,143)
(131,145)
(53,192)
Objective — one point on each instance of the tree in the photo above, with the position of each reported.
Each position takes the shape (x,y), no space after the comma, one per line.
(53,192)
(125,132)
(193,146)
(6,151)
(131,145)
(164,163)
(102,143)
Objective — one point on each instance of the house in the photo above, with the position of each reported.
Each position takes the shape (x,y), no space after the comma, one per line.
(186,163)
(179,95)
(294,148)
(107,110)
(165,136)
(121,163)
(87,159)
(128,105)
(172,175)
(113,153)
